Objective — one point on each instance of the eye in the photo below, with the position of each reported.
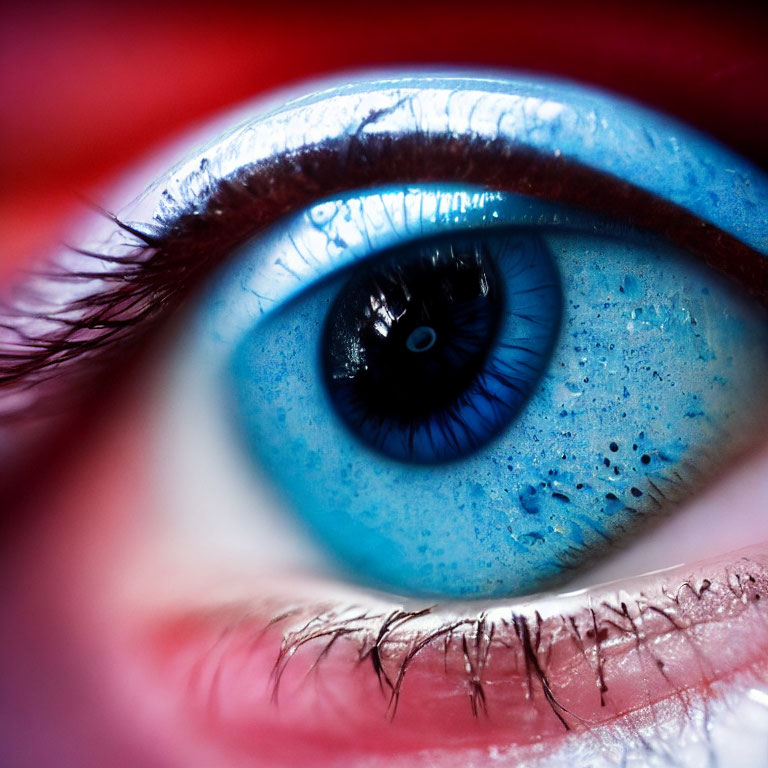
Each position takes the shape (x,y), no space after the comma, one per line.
(501,180)
(458,403)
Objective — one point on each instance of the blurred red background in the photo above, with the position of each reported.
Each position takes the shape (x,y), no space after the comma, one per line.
(87,87)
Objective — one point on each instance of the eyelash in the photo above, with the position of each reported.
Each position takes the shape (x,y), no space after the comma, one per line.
(389,642)
(159,264)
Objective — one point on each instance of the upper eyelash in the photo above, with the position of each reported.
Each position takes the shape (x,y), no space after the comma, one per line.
(206,215)
(44,340)
(517,120)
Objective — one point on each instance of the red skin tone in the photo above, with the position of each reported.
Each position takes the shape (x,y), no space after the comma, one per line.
(82,107)
(83,99)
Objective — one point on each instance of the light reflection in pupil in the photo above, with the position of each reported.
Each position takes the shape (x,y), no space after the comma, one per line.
(422,339)
(409,335)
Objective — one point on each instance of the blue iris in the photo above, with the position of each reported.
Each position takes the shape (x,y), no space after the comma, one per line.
(432,350)
(469,393)
(596,375)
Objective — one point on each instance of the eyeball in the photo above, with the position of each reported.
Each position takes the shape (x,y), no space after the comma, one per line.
(454,402)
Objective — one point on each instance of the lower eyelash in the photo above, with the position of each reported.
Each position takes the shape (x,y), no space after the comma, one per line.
(389,643)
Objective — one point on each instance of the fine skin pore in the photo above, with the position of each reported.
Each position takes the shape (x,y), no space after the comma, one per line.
(136,643)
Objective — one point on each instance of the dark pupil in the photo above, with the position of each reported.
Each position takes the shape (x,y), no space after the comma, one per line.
(405,338)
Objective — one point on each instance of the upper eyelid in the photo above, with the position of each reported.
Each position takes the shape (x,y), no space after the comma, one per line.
(550,118)
(396,130)
(543,138)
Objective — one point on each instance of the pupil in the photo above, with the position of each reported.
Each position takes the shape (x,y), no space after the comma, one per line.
(407,337)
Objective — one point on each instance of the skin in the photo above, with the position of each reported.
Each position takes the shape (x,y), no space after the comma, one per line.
(84,560)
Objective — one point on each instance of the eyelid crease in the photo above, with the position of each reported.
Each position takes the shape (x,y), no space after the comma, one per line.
(542,139)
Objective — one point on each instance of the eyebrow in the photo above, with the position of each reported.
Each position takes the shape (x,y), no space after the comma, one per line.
(65,327)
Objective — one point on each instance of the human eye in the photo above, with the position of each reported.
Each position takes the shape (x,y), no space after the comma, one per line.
(405,672)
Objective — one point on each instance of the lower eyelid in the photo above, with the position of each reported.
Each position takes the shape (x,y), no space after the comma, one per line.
(519,674)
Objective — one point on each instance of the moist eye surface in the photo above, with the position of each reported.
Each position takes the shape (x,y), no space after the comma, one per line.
(430,352)
(632,372)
